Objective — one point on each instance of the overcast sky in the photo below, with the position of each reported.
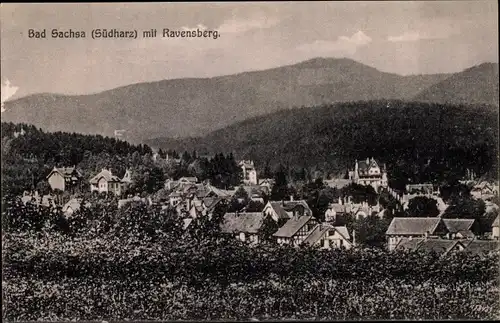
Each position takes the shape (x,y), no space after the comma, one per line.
(399,37)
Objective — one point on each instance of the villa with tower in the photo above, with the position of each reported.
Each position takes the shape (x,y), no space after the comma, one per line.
(369,172)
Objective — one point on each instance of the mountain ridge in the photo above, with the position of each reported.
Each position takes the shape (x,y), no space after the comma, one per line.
(196,106)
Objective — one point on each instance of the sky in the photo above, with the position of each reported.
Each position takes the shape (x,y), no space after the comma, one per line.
(398,37)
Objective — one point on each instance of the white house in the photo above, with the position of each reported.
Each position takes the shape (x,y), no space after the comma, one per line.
(496,228)
(369,172)
(105,181)
(327,236)
(249,172)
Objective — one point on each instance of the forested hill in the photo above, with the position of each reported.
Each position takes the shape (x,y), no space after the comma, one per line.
(478,84)
(197,106)
(60,148)
(418,141)
(28,154)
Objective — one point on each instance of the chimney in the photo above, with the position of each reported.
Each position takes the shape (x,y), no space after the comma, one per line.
(426,235)
(291,198)
(367,161)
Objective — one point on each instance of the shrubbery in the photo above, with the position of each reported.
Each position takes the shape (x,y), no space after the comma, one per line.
(138,263)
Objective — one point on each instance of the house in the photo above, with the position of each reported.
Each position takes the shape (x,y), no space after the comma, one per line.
(268,183)
(186,223)
(127,178)
(170,184)
(124,202)
(64,178)
(217,192)
(460,228)
(413,227)
(369,172)
(20,133)
(334,210)
(244,226)
(188,180)
(74,205)
(406,198)
(296,207)
(255,192)
(496,228)
(105,181)
(35,199)
(275,210)
(249,172)
(480,247)
(483,190)
(175,198)
(439,246)
(327,236)
(295,230)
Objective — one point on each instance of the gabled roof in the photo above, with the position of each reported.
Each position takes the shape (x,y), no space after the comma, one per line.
(496,223)
(276,206)
(218,192)
(409,244)
(267,180)
(188,179)
(65,172)
(249,222)
(478,247)
(290,228)
(321,229)
(437,245)
(342,230)
(175,194)
(290,205)
(186,223)
(315,235)
(107,175)
(363,166)
(74,204)
(456,225)
(466,234)
(412,226)
(338,208)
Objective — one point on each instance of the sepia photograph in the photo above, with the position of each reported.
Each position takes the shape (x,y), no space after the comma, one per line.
(250,161)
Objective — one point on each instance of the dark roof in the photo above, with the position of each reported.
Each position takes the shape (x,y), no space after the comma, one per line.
(290,205)
(316,234)
(478,247)
(280,211)
(107,175)
(412,226)
(437,245)
(456,225)
(65,172)
(249,222)
(290,228)
(466,233)
(363,166)
(409,244)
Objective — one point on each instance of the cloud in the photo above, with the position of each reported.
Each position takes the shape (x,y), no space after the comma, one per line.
(7,92)
(244,25)
(412,36)
(344,44)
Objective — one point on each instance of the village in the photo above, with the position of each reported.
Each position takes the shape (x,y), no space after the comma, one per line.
(293,221)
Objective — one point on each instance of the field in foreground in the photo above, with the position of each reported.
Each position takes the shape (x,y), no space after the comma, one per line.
(51,276)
